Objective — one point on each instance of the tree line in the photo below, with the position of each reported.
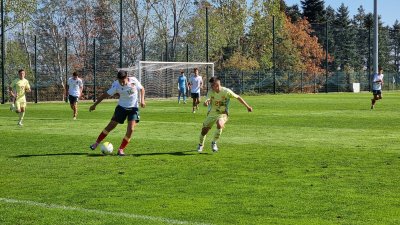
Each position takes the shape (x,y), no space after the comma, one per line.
(260,35)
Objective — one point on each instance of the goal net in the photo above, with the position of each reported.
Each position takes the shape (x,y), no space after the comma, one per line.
(160,79)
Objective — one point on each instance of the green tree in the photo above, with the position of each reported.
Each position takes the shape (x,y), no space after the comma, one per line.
(293,12)
(331,17)
(395,44)
(196,35)
(259,38)
(345,51)
(362,39)
(313,10)
(233,15)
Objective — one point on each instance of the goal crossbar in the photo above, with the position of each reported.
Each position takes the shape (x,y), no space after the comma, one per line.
(159,65)
(171,65)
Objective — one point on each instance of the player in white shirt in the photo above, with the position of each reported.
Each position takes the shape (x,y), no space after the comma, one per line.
(377,87)
(127,88)
(195,85)
(74,92)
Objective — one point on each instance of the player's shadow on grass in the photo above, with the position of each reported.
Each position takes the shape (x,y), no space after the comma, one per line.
(177,153)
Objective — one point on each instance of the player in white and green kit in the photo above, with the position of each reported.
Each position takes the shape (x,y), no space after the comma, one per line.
(218,100)
(18,89)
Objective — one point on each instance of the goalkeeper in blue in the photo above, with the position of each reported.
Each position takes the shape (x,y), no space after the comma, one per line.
(218,100)
(182,87)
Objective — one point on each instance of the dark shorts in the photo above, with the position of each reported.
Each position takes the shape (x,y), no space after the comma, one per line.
(376,92)
(121,113)
(72,99)
(195,95)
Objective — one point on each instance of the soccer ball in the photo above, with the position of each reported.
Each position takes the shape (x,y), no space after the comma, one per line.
(106,148)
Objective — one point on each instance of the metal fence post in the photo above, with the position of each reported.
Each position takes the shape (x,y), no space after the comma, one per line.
(273,52)
(94,69)
(315,83)
(66,65)
(3,57)
(326,57)
(242,85)
(36,83)
(120,33)
(337,81)
(301,82)
(224,79)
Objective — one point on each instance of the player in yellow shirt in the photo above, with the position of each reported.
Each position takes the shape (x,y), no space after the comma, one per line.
(18,89)
(218,100)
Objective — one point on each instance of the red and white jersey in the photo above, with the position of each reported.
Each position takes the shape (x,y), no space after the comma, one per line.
(128,94)
(377,85)
(196,82)
(75,86)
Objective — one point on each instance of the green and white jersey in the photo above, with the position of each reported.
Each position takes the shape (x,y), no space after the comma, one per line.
(20,87)
(219,102)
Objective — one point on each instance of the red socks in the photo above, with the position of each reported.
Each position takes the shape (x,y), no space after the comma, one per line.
(124,143)
(102,135)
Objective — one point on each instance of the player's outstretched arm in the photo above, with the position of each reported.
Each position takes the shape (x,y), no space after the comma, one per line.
(99,99)
(10,90)
(241,100)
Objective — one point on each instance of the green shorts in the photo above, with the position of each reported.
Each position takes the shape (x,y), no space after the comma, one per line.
(212,119)
(20,104)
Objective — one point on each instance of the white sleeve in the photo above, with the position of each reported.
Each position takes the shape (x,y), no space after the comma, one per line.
(137,83)
(113,90)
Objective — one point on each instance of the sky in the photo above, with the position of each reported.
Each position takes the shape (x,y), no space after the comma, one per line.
(387,9)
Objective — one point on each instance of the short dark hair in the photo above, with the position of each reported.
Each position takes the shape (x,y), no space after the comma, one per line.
(75,74)
(122,74)
(213,79)
(19,71)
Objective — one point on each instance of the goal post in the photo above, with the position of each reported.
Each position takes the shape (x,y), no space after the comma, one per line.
(160,79)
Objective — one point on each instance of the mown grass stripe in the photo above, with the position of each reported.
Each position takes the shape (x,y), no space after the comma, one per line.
(96,211)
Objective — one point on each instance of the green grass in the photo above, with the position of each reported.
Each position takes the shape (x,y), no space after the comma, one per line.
(297,159)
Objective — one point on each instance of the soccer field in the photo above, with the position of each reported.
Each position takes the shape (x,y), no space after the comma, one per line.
(297,159)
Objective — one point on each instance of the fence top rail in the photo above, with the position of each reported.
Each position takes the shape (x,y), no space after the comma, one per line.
(183,63)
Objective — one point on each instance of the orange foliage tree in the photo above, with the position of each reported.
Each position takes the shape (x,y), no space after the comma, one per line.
(303,52)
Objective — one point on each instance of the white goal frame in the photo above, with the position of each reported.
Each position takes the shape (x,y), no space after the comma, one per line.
(173,65)
(160,78)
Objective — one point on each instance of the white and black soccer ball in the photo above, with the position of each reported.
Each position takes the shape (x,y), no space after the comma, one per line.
(106,148)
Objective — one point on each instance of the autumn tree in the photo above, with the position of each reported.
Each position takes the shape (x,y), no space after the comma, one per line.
(306,54)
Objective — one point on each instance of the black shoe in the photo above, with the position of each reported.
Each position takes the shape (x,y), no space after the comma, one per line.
(93,146)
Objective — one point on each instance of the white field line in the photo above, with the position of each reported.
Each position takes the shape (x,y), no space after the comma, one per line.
(100,212)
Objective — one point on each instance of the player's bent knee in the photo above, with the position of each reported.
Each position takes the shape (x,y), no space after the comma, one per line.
(205,130)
